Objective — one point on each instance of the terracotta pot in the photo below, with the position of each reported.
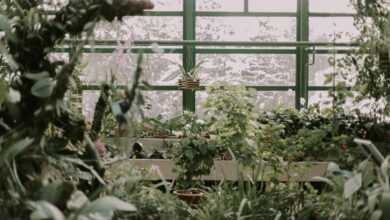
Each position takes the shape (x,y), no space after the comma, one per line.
(188,84)
(190,196)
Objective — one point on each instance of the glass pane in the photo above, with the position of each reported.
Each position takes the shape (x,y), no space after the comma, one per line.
(330,28)
(219,5)
(273,6)
(365,106)
(323,66)
(246,29)
(168,5)
(265,100)
(247,69)
(59,57)
(90,99)
(159,69)
(200,99)
(167,104)
(269,100)
(335,6)
(322,98)
(99,67)
(162,69)
(141,28)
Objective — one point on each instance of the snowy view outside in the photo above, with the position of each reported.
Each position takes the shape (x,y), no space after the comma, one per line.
(247,69)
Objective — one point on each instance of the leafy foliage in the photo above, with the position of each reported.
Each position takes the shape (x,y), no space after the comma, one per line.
(232,119)
(41,138)
(194,154)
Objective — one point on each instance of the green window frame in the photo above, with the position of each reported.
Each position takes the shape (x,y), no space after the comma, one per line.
(302,48)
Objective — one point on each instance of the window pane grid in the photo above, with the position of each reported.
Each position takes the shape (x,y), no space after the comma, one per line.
(242,21)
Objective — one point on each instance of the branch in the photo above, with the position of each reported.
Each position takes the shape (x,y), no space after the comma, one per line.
(124,106)
(100,111)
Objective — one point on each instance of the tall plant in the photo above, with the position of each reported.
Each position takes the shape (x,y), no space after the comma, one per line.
(232,117)
(372,59)
(38,129)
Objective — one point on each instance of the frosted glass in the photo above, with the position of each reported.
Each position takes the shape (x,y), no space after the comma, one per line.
(219,5)
(331,6)
(247,69)
(273,6)
(141,28)
(158,69)
(246,29)
(167,104)
(323,67)
(325,29)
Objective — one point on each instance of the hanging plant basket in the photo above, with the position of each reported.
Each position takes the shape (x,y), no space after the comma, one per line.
(188,84)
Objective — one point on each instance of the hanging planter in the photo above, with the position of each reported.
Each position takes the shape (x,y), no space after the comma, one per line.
(188,84)
(189,79)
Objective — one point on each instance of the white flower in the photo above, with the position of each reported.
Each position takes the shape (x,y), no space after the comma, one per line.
(14,96)
(303,101)
(290,92)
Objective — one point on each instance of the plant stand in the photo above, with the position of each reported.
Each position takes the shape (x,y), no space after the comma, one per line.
(162,169)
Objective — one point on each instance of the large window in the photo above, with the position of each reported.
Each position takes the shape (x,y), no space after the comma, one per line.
(276,47)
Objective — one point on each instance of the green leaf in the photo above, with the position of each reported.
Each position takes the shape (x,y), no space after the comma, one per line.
(4,23)
(107,205)
(385,205)
(16,148)
(77,201)
(376,215)
(333,168)
(45,211)
(324,180)
(3,91)
(56,193)
(43,88)
(37,76)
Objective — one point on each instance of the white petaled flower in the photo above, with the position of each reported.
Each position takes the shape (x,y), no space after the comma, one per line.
(302,101)
(14,96)
(290,92)
(188,126)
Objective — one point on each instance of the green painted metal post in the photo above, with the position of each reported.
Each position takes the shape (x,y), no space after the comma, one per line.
(189,56)
(302,82)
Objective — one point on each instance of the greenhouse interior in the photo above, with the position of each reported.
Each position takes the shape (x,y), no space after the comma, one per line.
(195,109)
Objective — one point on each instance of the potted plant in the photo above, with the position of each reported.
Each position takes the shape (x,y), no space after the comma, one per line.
(232,121)
(193,156)
(189,79)
(156,128)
